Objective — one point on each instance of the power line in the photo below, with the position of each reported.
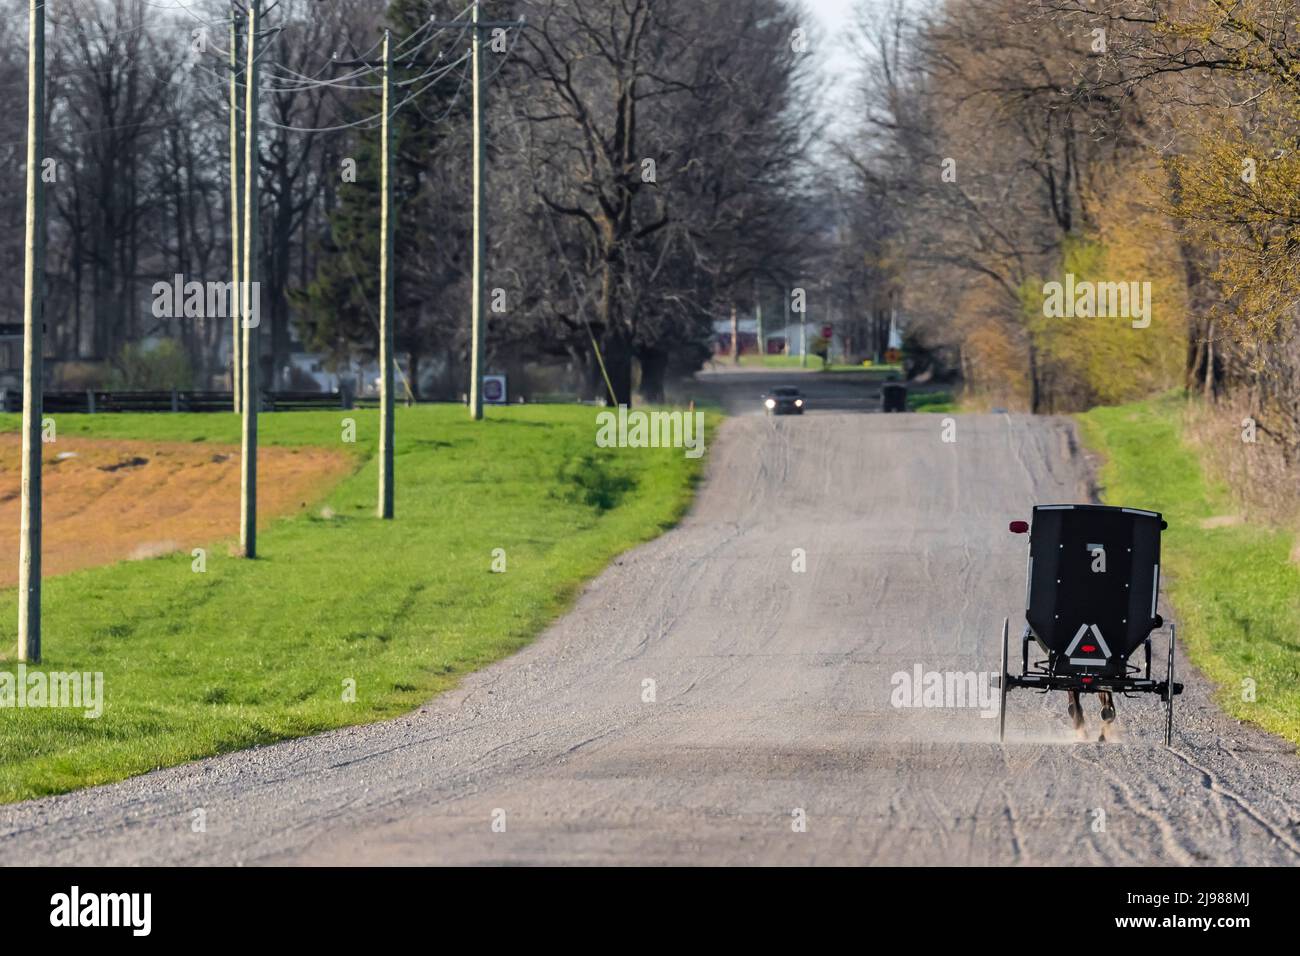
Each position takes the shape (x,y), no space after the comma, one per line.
(506,56)
(327,129)
(430,22)
(311,83)
(442,28)
(367,68)
(451,105)
(178,5)
(379,114)
(430,71)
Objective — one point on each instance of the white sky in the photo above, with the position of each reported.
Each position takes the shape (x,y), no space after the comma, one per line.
(834,22)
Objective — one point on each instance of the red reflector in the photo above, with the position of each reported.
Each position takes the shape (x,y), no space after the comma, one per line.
(1089,648)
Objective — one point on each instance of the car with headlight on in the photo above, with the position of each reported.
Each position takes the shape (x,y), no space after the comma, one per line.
(785,400)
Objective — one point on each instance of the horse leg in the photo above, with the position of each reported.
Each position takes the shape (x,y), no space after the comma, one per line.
(1109,728)
(1076,715)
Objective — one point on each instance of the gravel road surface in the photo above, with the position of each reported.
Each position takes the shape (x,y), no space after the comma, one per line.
(705,702)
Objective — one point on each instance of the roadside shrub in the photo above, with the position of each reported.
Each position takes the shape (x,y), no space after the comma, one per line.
(162,364)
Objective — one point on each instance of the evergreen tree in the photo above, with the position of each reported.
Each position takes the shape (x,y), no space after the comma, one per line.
(431,135)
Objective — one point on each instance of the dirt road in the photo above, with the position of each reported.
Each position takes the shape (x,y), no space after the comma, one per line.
(705,702)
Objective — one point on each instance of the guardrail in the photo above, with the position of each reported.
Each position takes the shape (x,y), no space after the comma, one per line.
(93,401)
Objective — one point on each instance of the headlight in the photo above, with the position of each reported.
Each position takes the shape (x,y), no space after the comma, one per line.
(798,403)
(770,403)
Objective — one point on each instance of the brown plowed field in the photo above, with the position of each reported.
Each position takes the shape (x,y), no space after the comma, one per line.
(107,500)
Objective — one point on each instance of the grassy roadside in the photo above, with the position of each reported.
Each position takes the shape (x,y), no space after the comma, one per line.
(1237,594)
(938,402)
(247,653)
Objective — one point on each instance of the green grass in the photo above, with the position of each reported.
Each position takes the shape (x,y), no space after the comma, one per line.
(1237,594)
(932,402)
(814,363)
(256,651)
(774,361)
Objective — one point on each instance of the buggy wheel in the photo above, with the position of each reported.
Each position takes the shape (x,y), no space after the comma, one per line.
(1169,690)
(1002,685)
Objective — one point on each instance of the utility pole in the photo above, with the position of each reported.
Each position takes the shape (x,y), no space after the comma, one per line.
(758,321)
(477,330)
(236,349)
(735,335)
(29,547)
(476,267)
(251,402)
(385,509)
(786,331)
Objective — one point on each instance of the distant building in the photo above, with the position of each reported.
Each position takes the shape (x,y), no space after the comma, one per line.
(785,340)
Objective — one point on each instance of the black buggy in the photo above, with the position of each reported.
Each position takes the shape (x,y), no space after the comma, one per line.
(1090,604)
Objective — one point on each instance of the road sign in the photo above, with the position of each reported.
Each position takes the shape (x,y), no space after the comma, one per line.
(494,389)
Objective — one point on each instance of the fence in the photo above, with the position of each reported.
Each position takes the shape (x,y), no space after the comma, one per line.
(92,401)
